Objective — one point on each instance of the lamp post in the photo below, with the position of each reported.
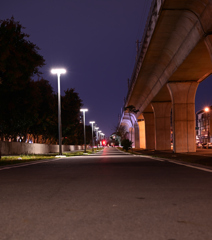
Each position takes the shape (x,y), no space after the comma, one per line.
(84,110)
(102,134)
(59,71)
(99,136)
(96,128)
(207,110)
(92,122)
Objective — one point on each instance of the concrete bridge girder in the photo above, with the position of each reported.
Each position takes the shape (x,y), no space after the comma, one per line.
(164,57)
(178,54)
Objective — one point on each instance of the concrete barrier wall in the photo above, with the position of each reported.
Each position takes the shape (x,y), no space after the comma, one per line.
(17,148)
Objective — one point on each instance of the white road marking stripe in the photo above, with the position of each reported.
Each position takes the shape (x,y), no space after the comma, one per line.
(27,164)
(183,164)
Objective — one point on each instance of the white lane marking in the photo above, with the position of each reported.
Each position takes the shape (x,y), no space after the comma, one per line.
(27,164)
(52,160)
(158,159)
(112,156)
(179,163)
(192,166)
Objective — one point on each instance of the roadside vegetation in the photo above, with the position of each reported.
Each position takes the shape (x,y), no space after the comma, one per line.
(28,103)
(8,160)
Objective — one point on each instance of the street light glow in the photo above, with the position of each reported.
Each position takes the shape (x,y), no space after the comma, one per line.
(83,110)
(58,71)
(206,109)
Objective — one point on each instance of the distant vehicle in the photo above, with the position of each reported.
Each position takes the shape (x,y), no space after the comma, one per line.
(207,145)
(199,144)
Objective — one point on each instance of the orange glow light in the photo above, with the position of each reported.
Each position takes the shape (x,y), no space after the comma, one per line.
(206,109)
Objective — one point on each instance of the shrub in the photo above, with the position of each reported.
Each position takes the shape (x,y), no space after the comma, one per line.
(127,144)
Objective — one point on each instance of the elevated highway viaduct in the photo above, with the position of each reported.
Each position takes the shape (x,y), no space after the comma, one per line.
(174,57)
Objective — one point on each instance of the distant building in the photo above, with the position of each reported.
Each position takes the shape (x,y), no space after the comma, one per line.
(204,125)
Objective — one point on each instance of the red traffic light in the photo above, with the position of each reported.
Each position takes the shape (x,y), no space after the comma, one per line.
(103,142)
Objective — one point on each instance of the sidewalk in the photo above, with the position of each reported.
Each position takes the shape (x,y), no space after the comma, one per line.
(203,157)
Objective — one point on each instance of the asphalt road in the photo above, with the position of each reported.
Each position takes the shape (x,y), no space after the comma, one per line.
(111,195)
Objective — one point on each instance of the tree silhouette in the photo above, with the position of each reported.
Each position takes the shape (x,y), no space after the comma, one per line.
(19,62)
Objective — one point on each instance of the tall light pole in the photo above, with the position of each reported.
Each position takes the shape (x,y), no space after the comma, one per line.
(99,136)
(84,110)
(207,110)
(59,71)
(92,122)
(103,135)
(103,140)
(96,128)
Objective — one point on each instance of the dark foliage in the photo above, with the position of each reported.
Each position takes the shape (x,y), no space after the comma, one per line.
(127,144)
(19,61)
(28,106)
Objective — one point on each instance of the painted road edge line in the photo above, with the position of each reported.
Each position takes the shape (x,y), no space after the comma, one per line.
(27,164)
(180,163)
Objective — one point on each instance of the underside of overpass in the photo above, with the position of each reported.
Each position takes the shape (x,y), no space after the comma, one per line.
(175,56)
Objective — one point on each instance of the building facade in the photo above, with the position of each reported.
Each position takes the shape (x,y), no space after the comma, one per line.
(204,125)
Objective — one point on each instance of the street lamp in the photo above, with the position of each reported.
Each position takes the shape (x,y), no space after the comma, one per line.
(207,110)
(59,71)
(99,136)
(102,138)
(96,128)
(103,135)
(84,110)
(92,122)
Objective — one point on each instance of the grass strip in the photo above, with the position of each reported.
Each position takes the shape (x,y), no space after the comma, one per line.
(9,160)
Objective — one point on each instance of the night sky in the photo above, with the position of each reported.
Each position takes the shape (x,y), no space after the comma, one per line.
(95,40)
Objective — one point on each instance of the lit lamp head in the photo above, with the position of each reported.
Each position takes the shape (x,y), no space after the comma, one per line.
(92,122)
(58,71)
(83,110)
(96,128)
(206,109)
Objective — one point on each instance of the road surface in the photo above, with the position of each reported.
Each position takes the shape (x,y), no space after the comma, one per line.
(110,195)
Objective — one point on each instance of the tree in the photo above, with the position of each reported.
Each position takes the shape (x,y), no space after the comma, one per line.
(71,104)
(19,58)
(121,132)
(44,111)
(19,62)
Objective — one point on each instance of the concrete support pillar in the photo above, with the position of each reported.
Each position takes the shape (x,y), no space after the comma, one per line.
(162,112)
(136,128)
(149,130)
(142,137)
(183,115)
(131,136)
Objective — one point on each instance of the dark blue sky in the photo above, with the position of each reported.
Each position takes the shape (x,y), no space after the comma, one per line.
(95,41)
